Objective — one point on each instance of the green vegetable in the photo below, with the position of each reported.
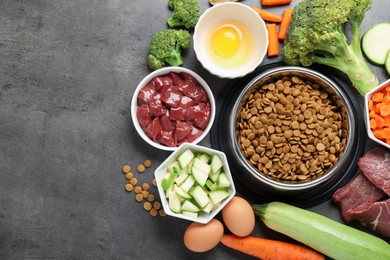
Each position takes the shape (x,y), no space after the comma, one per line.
(325,235)
(165,47)
(376,43)
(387,63)
(316,35)
(188,187)
(186,13)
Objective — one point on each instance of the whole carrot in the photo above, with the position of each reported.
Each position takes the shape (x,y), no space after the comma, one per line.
(273,42)
(270,249)
(285,23)
(275,2)
(267,16)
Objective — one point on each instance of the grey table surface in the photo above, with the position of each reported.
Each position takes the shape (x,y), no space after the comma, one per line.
(68,70)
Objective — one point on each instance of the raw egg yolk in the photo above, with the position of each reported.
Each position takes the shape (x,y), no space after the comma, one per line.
(226,41)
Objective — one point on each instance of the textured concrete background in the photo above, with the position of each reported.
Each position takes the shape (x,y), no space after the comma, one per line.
(68,70)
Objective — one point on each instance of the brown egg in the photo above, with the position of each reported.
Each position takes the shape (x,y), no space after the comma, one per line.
(203,237)
(239,217)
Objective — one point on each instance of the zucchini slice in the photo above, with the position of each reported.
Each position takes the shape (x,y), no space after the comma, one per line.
(376,43)
(387,63)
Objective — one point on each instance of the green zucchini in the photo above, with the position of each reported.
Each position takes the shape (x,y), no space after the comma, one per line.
(387,63)
(325,235)
(376,43)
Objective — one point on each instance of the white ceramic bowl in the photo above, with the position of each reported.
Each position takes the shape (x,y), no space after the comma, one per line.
(367,97)
(224,12)
(160,72)
(162,169)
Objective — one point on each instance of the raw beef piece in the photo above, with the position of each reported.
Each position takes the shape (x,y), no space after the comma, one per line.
(374,215)
(375,165)
(355,193)
(145,93)
(144,116)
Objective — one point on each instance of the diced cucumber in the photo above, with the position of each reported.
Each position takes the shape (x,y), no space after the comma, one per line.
(169,191)
(189,206)
(204,157)
(185,158)
(165,180)
(182,193)
(214,175)
(174,202)
(200,165)
(199,176)
(223,181)
(376,43)
(211,185)
(216,163)
(217,196)
(188,183)
(215,206)
(199,195)
(190,214)
(208,207)
(174,167)
(169,181)
(387,63)
(182,177)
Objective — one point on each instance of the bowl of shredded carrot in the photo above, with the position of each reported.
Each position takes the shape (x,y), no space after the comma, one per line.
(377,114)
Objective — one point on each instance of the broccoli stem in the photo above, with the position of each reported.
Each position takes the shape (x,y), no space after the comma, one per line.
(349,59)
(175,58)
(175,21)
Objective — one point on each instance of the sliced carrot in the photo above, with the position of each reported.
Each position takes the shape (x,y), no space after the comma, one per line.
(386,133)
(377,107)
(269,249)
(267,16)
(273,42)
(378,134)
(373,114)
(285,23)
(373,124)
(387,121)
(377,96)
(384,110)
(380,122)
(370,104)
(275,2)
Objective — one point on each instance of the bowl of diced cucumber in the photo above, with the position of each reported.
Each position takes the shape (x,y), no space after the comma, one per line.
(195,183)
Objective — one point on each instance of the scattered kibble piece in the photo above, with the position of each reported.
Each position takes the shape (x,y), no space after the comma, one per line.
(145,194)
(129,187)
(133,181)
(162,213)
(139,197)
(157,205)
(147,205)
(140,168)
(154,182)
(153,212)
(150,197)
(126,168)
(137,190)
(129,175)
(145,186)
(147,163)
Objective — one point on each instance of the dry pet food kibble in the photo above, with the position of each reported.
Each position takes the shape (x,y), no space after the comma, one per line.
(291,130)
(147,163)
(129,187)
(126,168)
(133,181)
(129,175)
(140,168)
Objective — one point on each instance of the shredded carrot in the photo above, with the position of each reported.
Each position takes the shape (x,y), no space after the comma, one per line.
(267,16)
(273,43)
(379,113)
(285,23)
(275,2)
(269,249)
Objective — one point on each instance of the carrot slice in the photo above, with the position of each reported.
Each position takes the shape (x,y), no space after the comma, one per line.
(273,42)
(285,23)
(267,16)
(377,97)
(275,2)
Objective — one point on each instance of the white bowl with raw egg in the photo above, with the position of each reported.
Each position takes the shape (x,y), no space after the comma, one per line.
(230,40)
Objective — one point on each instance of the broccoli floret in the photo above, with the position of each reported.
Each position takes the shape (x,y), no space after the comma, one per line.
(316,35)
(165,47)
(185,13)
